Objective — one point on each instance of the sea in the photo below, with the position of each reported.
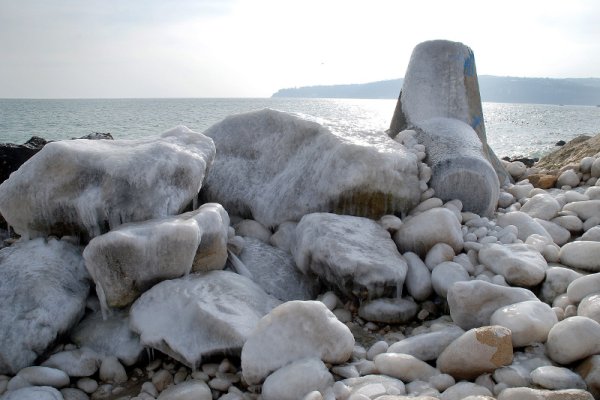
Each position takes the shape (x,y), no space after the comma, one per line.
(513,130)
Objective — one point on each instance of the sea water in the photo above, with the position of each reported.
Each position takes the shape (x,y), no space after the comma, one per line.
(530,130)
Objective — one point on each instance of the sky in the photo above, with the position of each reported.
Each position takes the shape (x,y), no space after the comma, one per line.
(252,48)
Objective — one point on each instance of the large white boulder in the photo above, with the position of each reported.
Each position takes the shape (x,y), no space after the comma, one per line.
(581,254)
(584,209)
(132,258)
(199,315)
(43,288)
(529,321)
(543,206)
(293,331)
(473,303)
(87,187)
(519,264)
(354,254)
(525,224)
(573,339)
(277,167)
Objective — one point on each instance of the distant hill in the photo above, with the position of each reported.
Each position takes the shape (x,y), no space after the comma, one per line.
(501,89)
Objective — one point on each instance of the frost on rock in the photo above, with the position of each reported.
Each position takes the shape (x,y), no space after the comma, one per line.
(85,188)
(275,271)
(353,254)
(130,259)
(277,167)
(199,315)
(43,288)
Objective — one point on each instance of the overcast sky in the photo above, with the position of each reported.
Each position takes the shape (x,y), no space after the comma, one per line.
(252,48)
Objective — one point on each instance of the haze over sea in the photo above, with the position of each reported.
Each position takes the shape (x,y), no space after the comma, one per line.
(512,129)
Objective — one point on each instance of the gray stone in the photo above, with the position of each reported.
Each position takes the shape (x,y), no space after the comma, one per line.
(76,363)
(389,311)
(33,393)
(427,346)
(296,380)
(519,264)
(188,390)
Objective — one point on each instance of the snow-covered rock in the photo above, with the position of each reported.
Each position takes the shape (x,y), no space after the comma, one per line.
(200,314)
(130,259)
(296,380)
(519,264)
(290,332)
(277,167)
(421,232)
(43,287)
(529,321)
(473,303)
(275,271)
(353,254)
(85,188)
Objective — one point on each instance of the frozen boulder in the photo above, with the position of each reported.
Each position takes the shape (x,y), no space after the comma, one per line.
(85,188)
(132,258)
(421,232)
(43,287)
(110,336)
(427,346)
(581,254)
(277,167)
(354,254)
(529,321)
(519,264)
(441,82)
(292,331)
(199,315)
(543,206)
(275,271)
(473,303)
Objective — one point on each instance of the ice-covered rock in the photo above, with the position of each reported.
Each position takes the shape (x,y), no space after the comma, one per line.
(418,277)
(76,363)
(389,311)
(405,367)
(85,188)
(525,393)
(43,287)
(573,339)
(421,232)
(354,254)
(193,389)
(277,167)
(441,82)
(473,303)
(583,286)
(109,337)
(445,275)
(296,380)
(581,254)
(292,331)
(519,264)
(529,321)
(525,224)
(374,386)
(33,393)
(427,346)
(543,206)
(477,351)
(199,315)
(132,258)
(557,378)
(275,271)
(584,209)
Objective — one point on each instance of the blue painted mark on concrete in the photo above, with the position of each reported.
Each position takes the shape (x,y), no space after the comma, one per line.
(469,69)
(476,121)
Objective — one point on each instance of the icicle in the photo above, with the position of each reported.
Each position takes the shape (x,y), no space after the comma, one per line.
(195,203)
(238,265)
(106,311)
(399,287)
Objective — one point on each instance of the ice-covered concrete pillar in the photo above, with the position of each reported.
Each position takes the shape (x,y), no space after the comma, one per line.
(441,82)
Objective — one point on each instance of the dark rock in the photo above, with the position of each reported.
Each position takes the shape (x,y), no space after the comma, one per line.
(560,143)
(97,136)
(525,160)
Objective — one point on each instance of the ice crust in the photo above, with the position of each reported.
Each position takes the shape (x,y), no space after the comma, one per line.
(199,315)
(130,259)
(43,288)
(85,188)
(277,167)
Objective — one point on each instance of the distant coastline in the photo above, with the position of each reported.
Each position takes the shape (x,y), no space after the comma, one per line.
(498,89)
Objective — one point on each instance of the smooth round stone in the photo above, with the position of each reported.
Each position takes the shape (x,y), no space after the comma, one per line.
(525,393)
(568,178)
(33,393)
(423,231)
(404,367)
(296,380)
(557,378)
(590,307)
(330,300)
(88,385)
(314,395)
(571,223)
(519,264)
(418,277)
(585,164)
(572,196)
(188,390)
(428,204)
(584,209)
(573,339)
(111,370)
(477,351)
(254,229)
(445,275)
(45,376)
(17,382)
(463,390)
(373,386)
(520,190)
(516,169)
(592,234)
(391,223)
(525,224)
(442,382)
(558,234)
(76,363)
(545,247)
(472,303)
(73,394)
(582,287)
(582,254)
(529,321)
(556,282)
(543,206)
(593,192)
(342,315)
(589,370)
(505,199)
(161,379)
(376,349)
(439,253)
(389,311)
(427,346)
